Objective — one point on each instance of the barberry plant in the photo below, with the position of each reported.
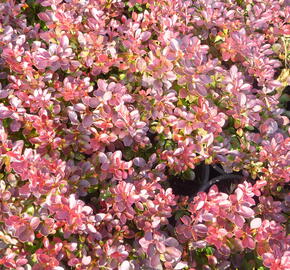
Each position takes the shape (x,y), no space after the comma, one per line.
(144,134)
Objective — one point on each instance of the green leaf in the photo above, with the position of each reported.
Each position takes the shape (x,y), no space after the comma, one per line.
(220,138)
(79,156)
(209,250)
(180,213)
(219,39)
(250,128)
(105,195)
(30,210)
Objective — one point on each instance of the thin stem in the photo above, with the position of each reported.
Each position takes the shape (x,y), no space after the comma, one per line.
(218,169)
(218,179)
(204,179)
(286,51)
(205,174)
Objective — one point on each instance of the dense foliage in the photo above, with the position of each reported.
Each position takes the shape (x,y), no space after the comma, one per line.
(144,134)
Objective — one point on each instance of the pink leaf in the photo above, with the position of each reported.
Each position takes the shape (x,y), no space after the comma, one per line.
(141,64)
(107,96)
(64,42)
(34,222)
(239,193)
(102,157)
(87,121)
(242,99)
(270,126)
(172,242)
(239,221)
(155,261)
(174,252)
(247,212)
(44,16)
(140,162)
(246,87)
(26,236)
(120,123)
(86,260)
(234,71)
(186,220)
(73,117)
(180,265)
(94,102)
(174,45)
(125,266)
(160,247)
(200,228)
(248,242)
(199,205)
(4,112)
(15,126)
(256,223)
(145,36)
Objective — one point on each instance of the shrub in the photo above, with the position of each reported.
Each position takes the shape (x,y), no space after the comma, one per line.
(144,134)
